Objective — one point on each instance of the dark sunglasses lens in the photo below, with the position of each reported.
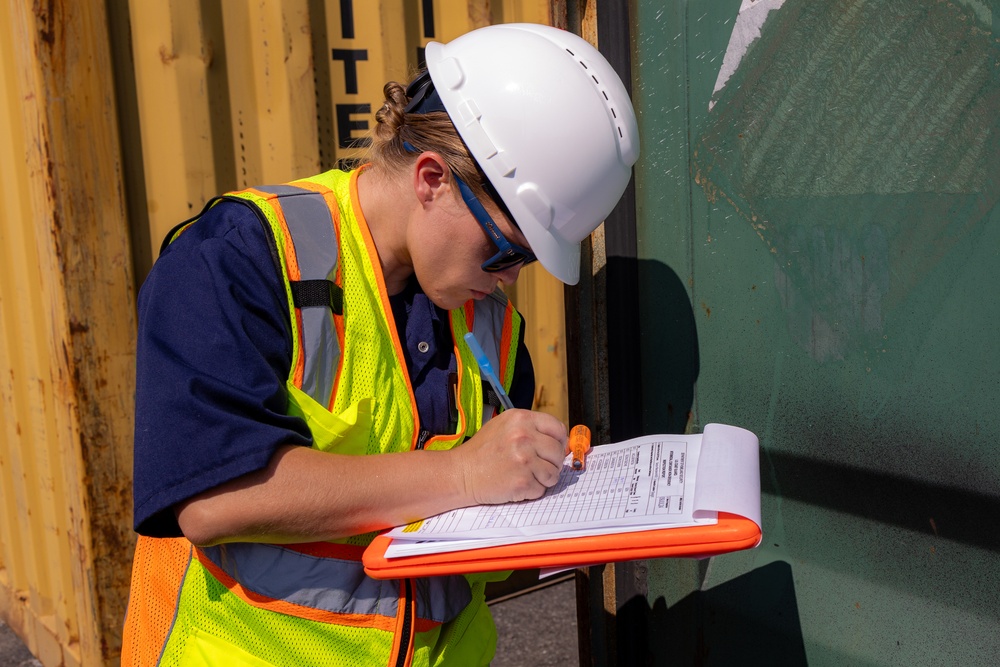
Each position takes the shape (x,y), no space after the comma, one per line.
(504,260)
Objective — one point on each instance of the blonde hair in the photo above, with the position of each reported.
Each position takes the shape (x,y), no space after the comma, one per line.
(431,131)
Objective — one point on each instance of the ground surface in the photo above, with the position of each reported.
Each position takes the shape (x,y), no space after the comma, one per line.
(13,652)
(538,629)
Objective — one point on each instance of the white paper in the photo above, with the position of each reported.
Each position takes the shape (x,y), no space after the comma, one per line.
(729,472)
(641,484)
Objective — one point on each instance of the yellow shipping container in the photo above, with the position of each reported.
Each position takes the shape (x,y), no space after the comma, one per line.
(66,339)
(118,120)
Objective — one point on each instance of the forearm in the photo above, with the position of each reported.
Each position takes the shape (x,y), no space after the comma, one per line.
(305,495)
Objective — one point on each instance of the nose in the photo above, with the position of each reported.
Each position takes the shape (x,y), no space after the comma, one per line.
(509,275)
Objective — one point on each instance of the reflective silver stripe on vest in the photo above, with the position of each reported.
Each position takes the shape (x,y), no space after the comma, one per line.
(487,327)
(310,224)
(332,584)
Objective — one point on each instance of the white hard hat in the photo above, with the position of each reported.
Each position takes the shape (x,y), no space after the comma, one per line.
(551,125)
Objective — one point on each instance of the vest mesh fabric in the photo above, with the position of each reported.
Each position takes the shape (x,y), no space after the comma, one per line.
(229,632)
(158,567)
(210,618)
(366,369)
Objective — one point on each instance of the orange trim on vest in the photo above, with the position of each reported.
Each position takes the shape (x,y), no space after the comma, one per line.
(470,313)
(384,297)
(385,623)
(338,325)
(328,550)
(463,418)
(154,598)
(505,342)
(338,279)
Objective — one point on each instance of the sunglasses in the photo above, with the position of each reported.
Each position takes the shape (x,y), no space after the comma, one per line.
(508,254)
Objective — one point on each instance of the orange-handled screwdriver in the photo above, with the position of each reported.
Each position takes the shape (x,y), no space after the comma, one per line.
(579,445)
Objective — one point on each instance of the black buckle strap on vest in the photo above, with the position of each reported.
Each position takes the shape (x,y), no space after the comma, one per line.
(320,293)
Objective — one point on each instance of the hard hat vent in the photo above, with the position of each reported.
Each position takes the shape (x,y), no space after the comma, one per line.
(607,100)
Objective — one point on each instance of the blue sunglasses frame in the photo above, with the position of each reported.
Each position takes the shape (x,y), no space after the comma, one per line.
(508,254)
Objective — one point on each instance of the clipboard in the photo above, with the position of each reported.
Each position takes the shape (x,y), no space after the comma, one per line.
(731,533)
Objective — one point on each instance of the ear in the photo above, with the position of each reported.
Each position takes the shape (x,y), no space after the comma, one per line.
(431,177)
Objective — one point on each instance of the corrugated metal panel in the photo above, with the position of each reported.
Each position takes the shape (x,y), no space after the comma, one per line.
(249,93)
(217,96)
(173,55)
(66,337)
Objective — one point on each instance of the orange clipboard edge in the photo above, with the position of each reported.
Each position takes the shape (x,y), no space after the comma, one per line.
(731,533)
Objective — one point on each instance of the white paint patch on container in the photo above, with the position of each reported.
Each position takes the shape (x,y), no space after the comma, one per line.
(751,17)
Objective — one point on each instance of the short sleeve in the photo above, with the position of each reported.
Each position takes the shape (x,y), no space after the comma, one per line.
(213,354)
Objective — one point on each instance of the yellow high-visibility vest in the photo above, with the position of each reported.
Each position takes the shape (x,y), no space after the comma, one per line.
(312,604)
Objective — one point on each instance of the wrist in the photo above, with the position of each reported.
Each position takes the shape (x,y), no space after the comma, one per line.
(463,477)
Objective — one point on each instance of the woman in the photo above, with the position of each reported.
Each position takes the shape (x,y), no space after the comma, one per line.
(302,379)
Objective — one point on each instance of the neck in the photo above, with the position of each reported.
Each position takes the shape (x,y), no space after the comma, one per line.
(384,204)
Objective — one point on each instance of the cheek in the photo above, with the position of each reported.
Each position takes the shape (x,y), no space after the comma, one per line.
(458,251)
(478,247)
(448,252)
(440,263)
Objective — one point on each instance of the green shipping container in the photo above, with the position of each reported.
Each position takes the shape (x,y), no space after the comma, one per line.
(816,259)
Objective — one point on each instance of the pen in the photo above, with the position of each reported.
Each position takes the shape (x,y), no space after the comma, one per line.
(487,369)
(579,444)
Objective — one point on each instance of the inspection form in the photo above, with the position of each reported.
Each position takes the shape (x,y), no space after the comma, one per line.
(640,484)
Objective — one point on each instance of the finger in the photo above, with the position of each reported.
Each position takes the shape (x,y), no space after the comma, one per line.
(552,452)
(550,426)
(546,473)
(543,434)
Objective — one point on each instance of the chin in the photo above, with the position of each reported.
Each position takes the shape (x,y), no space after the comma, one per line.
(447,302)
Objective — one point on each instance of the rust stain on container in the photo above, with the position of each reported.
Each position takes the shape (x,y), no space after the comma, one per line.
(209,118)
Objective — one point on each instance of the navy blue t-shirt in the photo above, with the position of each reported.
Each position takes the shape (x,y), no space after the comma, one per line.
(213,355)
